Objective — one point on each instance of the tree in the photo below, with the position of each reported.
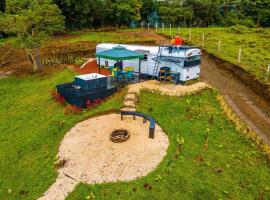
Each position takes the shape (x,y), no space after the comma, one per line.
(127,11)
(32,22)
(148,7)
(2,6)
(206,12)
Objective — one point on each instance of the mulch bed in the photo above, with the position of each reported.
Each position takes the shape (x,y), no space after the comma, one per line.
(92,67)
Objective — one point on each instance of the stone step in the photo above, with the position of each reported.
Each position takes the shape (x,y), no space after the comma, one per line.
(128,109)
(130,97)
(129,104)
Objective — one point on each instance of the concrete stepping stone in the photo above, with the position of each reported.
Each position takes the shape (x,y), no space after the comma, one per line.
(130,97)
(128,109)
(130,104)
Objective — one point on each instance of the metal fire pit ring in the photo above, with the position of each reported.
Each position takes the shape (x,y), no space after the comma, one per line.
(119,135)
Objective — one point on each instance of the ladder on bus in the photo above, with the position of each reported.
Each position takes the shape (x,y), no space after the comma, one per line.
(157,63)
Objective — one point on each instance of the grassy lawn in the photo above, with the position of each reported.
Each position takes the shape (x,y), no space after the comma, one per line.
(255,44)
(32,126)
(231,168)
(120,36)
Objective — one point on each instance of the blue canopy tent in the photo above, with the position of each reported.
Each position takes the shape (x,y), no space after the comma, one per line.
(120,53)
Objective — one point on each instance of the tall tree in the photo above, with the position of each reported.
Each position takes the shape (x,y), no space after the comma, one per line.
(127,11)
(33,22)
(2,6)
(148,7)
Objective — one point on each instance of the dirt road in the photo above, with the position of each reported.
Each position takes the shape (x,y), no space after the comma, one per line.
(249,106)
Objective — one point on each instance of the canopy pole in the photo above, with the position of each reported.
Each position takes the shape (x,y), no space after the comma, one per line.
(117,70)
(139,70)
(99,65)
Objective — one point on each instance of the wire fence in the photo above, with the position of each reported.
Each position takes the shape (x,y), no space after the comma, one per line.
(225,48)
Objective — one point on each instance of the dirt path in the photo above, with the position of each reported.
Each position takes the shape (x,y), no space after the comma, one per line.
(250,107)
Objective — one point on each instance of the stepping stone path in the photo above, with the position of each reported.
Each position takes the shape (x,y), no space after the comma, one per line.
(130,102)
(155,86)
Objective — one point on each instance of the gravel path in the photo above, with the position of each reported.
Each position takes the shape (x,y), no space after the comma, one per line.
(92,158)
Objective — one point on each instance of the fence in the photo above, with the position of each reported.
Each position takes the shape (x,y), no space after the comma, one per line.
(240,54)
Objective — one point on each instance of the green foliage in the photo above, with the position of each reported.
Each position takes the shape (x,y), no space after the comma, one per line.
(32,22)
(231,167)
(2,6)
(203,13)
(127,11)
(32,126)
(35,21)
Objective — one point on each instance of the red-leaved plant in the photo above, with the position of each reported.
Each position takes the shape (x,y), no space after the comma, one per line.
(57,97)
(90,104)
(72,109)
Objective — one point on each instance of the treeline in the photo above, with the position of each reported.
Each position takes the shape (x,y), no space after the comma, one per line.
(80,14)
(189,13)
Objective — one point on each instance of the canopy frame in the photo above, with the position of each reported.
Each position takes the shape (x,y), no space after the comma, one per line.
(120,53)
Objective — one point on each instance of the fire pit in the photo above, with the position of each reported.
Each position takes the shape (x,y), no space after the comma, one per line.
(119,135)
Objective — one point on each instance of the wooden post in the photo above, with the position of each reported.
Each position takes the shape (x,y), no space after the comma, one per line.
(203,38)
(156,27)
(267,74)
(148,26)
(219,46)
(139,70)
(170,29)
(99,65)
(142,25)
(189,35)
(116,26)
(163,27)
(239,55)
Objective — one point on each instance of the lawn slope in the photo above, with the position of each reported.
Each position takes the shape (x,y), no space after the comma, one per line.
(230,168)
(32,126)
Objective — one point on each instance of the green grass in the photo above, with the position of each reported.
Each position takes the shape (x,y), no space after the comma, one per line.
(32,126)
(6,41)
(255,44)
(120,36)
(245,175)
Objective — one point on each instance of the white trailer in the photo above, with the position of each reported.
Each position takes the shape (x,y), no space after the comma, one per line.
(184,60)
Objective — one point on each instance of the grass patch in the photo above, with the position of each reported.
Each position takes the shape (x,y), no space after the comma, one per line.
(216,161)
(121,36)
(32,126)
(254,43)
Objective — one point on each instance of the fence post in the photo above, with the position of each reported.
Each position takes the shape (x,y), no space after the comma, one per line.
(163,27)
(239,55)
(142,25)
(170,29)
(189,35)
(156,27)
(203,37)
(148,27)
(219,46)
(116,26)
(267,74)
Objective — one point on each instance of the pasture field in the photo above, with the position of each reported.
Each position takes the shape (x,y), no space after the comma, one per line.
(255,45)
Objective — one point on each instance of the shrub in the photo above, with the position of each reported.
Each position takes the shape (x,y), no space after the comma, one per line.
(57,97)
(90,104)
(72,109)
